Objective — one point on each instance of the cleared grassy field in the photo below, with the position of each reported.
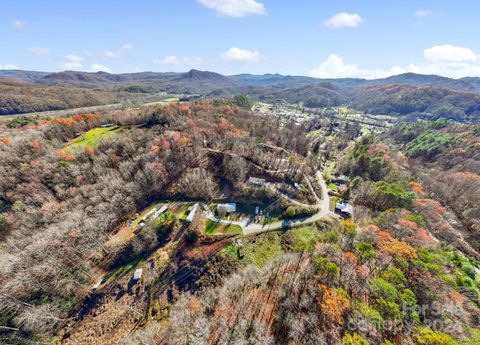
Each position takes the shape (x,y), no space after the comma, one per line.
(92,138)
(212,228)
(122,270)
(163,102)
(263,249)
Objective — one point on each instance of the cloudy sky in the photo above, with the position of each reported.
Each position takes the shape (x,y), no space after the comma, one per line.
(322,38)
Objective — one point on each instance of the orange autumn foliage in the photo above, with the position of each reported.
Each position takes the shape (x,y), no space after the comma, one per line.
(430,204)
(65,155)
(84,117)
(424,236)
(71,121)
(347,223)
(228,110)
(333,304)
(184,141)
(236,133)
(407,223)
(417,188)
(90,151)
(349,256)
(36,144)
(6,141)
(225,124)
(372,228)
(465,176)
(155,149)
(363,271)
(166,144)
(393,247)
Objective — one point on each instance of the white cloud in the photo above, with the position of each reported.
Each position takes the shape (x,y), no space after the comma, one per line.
(452,61)
(74,62)
(449,53)
(96,67)
(335,67)
(242,55)
(119,53)
(422,13)
(41,52)
(19,24)
(343,20)
(74,58)
(427,13)
(234,8)
(176,61)
(445,60)
(8,66)
(72,66)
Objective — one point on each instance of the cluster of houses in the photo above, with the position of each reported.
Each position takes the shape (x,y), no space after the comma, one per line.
(283,111)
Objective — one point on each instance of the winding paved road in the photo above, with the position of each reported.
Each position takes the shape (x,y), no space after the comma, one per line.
(249,228)
(323,211)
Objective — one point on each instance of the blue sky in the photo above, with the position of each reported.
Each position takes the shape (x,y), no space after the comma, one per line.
(342,38)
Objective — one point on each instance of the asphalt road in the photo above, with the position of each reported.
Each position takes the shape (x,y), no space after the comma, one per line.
(323,212)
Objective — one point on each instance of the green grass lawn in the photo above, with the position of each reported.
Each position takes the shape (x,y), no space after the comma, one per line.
(92,138)
(265,248)
(328,172)
(333,202)
(261,249)
(182,212)
(212,228)
(303,239)
(333,186)
(122,269)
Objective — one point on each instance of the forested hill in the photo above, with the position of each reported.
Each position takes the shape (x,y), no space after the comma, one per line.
(272,80)
(425,101)
(410,95)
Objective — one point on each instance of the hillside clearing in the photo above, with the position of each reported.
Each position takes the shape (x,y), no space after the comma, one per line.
(92,138)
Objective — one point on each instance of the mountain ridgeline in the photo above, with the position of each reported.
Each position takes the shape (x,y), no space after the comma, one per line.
(409,94)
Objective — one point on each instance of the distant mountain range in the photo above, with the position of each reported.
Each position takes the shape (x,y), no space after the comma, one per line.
(212,80)
(23,75)
(405,94)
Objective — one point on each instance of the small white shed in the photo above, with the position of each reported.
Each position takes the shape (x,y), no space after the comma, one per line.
(138,274)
